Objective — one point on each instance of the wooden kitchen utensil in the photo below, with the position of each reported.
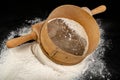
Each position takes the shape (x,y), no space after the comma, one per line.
(40,33)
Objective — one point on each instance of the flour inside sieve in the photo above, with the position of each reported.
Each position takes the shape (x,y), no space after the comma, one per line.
(68,35)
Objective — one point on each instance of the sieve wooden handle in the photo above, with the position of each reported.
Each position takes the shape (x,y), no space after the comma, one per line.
(98,9)
(20,40)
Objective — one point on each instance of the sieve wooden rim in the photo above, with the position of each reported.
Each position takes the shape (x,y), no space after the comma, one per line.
(80,16)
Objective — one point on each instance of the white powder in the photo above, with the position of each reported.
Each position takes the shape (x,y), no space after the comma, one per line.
(20,64)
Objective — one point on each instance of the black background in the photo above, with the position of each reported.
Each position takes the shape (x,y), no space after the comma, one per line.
(14,13)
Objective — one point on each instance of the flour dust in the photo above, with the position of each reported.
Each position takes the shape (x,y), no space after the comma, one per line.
(21,64)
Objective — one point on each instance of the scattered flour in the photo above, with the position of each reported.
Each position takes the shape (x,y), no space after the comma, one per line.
(20,63)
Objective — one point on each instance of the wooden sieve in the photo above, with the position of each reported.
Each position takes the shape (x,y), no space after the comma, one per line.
(40,33)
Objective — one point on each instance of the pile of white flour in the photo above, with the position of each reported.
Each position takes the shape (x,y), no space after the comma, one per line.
(20,63)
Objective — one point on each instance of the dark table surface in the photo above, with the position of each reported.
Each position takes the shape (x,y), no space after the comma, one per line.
(14,13)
